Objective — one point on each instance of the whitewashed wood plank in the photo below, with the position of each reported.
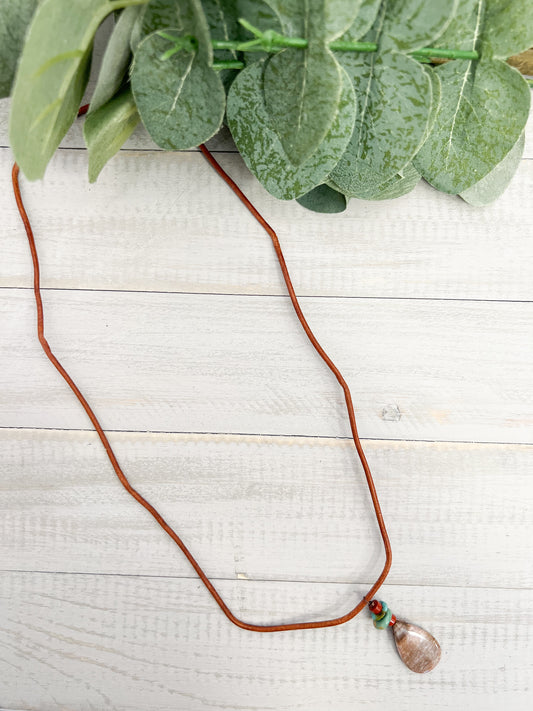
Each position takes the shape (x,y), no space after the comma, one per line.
(425,370)
(166,222)
(267,508)
(110,642)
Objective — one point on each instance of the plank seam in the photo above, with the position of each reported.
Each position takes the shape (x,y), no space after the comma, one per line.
(246,435)
(277,581)
(220,151)
(268,296)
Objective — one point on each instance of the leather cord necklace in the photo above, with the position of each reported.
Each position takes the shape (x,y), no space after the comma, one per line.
(418,649)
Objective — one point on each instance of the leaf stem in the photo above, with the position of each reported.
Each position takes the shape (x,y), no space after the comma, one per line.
(270,41)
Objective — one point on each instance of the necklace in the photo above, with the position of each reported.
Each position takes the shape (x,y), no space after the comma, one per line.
(418,649)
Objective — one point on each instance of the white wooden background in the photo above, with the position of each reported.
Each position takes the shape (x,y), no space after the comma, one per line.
(164,301)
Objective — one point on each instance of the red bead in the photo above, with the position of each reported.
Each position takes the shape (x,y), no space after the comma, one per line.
(375,607)
(392,620)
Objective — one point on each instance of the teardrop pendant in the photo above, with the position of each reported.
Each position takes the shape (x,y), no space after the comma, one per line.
(418,649)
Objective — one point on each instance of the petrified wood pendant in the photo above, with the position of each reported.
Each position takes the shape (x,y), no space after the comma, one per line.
(418,649)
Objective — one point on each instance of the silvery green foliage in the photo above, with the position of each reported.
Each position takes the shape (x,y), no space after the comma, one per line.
(180,98)
(106,129)
(323,198)
(484,105)
(395,96)
(260,15)
(395,93)
(116,59)
(311,77)
(313,123)
(15,16)
(256,138)
(51,78)
(494,183)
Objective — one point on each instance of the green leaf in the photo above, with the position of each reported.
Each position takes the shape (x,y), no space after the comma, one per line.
(339,16)
(15,16)
(412,24)
(363,22)
(106,129)
(256,139)
(394,93)
(464,30)
(290,16)
(260,15)
(324,199)
(116,58)
(179,96)
(436,96)
(51,77)
(475,127)
(494,183)
(303,86)
(508,27)
(401,184)
(303,19)
(302,92)
(222,19)
(186,16)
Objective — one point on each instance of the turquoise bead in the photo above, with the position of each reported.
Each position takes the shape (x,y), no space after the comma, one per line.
(384,620)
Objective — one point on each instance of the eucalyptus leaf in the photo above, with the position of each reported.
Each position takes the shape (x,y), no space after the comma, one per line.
(15,17)
(51,77)
(302,92)
(401,184)
(260,15)
(412,24)
(106,129)
(332,16)
(137,29)
(508,27)
(290,15)
(180,98)
(364,20)
(323,199)
(222,19)
(116,58)
(261,148)
(474,129)
(464,30)
(303,86)
(494,183)
(185,16)
(436,96)
(339,16)
(395,96)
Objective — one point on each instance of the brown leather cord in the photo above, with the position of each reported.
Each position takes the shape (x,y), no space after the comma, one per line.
(116,466)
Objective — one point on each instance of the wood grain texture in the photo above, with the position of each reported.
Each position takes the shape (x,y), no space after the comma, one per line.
(111,642)
(267,508)
(440,370)
(99,610)
(125,232)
